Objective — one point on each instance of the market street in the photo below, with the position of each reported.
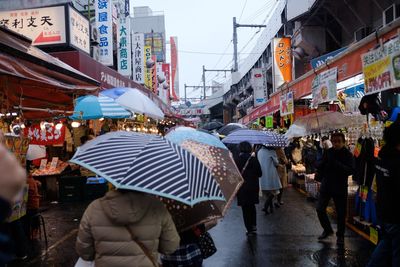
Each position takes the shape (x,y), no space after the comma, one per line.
(286,238)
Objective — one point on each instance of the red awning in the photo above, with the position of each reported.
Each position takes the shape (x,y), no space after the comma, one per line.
(32,78)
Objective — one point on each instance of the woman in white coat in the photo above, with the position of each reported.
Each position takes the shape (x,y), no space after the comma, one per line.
(270,182)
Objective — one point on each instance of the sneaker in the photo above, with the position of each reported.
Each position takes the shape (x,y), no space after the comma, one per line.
(325,235)
(340,241)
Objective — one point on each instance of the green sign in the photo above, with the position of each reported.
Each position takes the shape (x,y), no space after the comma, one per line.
(269,122)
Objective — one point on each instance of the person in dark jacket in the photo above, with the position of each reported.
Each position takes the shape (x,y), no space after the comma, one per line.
(248,194)
(388,183)
(334,170)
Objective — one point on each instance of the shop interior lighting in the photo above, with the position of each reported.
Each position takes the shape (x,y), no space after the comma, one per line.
(22,126)
(75,124)
(101,119)
(59,126)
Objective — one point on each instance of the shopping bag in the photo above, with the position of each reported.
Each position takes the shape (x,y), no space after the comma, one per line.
(206,245)
(82,263)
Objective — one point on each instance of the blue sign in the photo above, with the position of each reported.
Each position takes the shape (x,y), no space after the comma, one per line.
(319,61)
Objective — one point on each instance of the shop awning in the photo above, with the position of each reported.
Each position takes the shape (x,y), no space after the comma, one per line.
(32,78)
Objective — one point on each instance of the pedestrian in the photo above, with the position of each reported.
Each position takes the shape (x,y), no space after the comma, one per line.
(388,185)
(248,194)
(12,180)
(270,181)
(309,156)
(282,172)
(126,228)
(334,170)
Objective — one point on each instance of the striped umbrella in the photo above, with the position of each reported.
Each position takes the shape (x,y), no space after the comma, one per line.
(270,139)
(96,107)
(149,164)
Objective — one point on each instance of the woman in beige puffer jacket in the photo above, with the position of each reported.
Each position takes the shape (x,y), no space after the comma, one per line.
(104,238)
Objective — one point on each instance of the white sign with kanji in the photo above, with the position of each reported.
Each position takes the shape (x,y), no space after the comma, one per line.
(138,57)
(103,10)
(124,48)
(79,30)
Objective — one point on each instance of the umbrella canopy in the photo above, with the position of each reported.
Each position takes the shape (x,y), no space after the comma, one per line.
(219,161)
(135,101)
(323,121)
(214,125)
(96,107)
(295,131)
(150,164)
(230,127)
(254,137)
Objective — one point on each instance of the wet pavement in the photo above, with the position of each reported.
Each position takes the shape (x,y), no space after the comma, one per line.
(288,237)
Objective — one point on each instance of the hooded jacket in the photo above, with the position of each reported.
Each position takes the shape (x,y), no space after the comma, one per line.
(103,236)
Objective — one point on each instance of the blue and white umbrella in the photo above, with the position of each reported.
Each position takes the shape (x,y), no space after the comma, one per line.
(269,139)
(96,107)
(149,164)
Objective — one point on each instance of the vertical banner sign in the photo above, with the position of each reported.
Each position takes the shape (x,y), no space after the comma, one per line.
(381,67)
(156,41)
(103,9)
(160,89)
(287,104)
(79,30)
(154,80)
(174,69)
(166,71)
(282,61)
(259,83)
(138,57)
(124,48)
(148,72)
(324,87)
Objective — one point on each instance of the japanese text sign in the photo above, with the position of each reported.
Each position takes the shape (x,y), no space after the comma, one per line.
(156,41)
(287,104)
(79,31)
(138,58)
(46,136)
(282,61)
(324,87)
(124,48)
(104,26)
(45,26)
(381,67)
(258,81)
(148,75)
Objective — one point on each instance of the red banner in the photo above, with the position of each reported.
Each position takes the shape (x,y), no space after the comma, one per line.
(47,136)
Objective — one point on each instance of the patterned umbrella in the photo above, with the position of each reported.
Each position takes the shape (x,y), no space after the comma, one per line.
(212,153)
(214,125)
(149,164)
(230,127)
(269,139)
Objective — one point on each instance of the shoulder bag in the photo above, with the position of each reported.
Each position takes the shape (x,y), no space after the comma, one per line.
(142,246)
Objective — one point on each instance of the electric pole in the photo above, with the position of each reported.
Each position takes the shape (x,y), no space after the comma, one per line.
(204,78)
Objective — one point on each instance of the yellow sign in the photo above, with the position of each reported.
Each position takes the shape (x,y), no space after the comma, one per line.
(373,235)
(148,72)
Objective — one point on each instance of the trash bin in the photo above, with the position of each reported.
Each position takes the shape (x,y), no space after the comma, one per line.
(95,187)
(71,188)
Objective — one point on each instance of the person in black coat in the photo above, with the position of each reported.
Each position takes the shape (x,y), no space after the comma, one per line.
(334,170)
(388,184)
(248,194)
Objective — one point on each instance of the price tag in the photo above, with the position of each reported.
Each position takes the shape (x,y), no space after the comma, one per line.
(43,164)
(373,235)
(54,162)
(357,150)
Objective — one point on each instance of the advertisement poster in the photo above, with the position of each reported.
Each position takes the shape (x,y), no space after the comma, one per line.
(258,81)
(282,61)
(47,136)
(287,104)
(124,48)
(381,67)
(138,57)
(155,40)
(324,87)
(104,25)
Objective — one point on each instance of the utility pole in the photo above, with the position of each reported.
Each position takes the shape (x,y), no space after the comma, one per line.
(204,78)
(204,87)
(235,40)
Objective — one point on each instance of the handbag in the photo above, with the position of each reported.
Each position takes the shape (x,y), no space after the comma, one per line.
(82,263)
(206,245)
(143,247)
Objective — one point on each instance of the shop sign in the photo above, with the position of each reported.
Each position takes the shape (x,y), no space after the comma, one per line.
(282,61)
(111,80)
(47,136)
(79,30)
(269,122)
(124,48)
(104,25)
(166,72)
(258,82)
(287,104)
(324,87)
(154,84)
(138,57)
(44,26)
(381,67)
(148,74)
(156,41)
(319,61)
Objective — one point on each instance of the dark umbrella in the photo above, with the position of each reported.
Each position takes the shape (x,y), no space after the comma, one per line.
(230,127)
(214,125)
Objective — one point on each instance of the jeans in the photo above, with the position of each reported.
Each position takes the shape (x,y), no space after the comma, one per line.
(249,216)
(388,249)
(340,206)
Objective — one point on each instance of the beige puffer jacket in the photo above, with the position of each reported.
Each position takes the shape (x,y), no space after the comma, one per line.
(103,237)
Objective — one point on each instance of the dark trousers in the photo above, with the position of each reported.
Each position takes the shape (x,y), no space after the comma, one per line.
(388,249)
(340,206)
(249,216)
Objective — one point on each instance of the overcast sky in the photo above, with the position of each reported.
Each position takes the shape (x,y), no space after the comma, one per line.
(205,26)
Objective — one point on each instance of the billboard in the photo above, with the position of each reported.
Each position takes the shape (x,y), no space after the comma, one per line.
(174,69)
(156,41)
(258,82)
(138,57)
(124,48)
(44,26)
(282,61)
(104,26)
(324,87)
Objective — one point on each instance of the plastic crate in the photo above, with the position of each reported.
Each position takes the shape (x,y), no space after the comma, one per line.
(71,188)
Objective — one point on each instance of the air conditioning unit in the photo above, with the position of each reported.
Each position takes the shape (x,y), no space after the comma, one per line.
(361,33)
(390,14)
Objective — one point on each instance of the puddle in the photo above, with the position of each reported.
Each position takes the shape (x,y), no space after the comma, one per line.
(328,257)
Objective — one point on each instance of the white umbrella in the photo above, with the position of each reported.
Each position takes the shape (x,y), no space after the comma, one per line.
(295,131)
